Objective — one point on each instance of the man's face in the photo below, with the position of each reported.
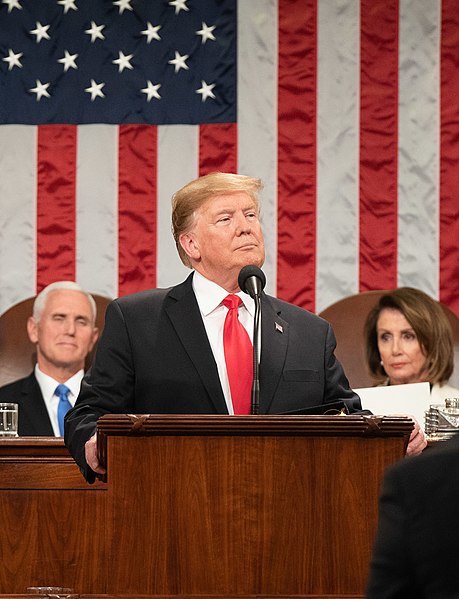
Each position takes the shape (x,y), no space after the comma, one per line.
(65,333)
(225,237)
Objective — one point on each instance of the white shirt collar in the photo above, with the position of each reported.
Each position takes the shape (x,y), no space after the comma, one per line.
(209,295)
(48,384)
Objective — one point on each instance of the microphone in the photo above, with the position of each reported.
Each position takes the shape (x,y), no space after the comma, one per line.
(252,281)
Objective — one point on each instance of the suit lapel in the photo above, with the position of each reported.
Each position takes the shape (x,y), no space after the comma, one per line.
(34,407)
(183,311)
(274,342)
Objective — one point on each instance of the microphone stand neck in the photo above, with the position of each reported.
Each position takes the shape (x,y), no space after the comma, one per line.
(255,401)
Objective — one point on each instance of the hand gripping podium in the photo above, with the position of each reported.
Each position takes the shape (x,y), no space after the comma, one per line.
(244,505)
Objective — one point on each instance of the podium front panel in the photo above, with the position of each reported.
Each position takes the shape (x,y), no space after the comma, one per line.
(243,514)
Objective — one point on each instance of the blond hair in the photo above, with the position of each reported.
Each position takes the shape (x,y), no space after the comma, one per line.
(187,200)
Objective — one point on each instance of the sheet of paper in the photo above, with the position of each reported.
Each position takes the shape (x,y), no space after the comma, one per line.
(408,400)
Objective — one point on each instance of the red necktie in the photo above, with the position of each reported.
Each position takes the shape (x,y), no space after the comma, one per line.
(238,356)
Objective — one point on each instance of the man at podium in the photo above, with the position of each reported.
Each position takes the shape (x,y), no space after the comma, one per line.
(188,349)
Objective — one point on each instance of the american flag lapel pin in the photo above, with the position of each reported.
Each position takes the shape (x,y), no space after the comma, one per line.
(278,327)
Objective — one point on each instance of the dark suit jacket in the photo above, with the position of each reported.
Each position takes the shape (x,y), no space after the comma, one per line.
(154,357)
(33,418)
(415,555)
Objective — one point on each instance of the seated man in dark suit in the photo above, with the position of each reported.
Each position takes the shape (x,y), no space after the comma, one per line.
(63,329)
(415,553)
(167,351)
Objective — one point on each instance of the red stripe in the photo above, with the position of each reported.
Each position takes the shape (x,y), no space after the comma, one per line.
(218,148)
(297,74)
(378,144)
(56,173)
(449,156)
(137,212)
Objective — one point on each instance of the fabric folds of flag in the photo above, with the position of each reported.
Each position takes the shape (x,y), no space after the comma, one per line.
(346,109)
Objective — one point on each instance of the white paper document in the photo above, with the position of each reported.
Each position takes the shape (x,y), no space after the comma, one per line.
(407,400)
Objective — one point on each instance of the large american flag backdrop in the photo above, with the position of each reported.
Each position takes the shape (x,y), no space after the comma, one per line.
(347,109)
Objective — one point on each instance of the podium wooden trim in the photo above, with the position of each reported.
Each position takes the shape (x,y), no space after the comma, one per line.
(244,505)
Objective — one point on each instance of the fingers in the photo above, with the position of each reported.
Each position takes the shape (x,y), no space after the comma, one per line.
(90,450)
(417,441)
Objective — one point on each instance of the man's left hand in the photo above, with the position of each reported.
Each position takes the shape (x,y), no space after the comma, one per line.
(417,441)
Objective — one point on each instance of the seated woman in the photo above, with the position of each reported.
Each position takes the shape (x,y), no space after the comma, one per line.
(409,340)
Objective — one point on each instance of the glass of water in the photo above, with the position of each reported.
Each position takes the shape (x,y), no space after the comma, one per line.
(8,419)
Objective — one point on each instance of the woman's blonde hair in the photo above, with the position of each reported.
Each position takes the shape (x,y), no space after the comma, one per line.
(186,201)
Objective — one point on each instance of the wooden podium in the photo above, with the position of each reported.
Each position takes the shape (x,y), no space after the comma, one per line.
(244,505)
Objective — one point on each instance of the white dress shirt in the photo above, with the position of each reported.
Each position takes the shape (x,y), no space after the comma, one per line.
(209,296)
(48,386)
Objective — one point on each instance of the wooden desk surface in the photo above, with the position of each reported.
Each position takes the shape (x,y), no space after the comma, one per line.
(191,597)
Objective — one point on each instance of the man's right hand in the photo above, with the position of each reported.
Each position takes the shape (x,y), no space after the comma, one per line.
(90,450)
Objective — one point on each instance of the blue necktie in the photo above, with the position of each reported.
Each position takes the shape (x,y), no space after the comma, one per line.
(64,406)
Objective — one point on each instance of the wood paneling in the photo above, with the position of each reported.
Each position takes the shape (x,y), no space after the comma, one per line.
(52,521)
(247,505)
(220,506)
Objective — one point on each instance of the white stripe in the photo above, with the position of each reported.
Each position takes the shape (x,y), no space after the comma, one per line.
(337,151)
(97,207)
(418,163)
(178,148)
(18,241)
(257,114)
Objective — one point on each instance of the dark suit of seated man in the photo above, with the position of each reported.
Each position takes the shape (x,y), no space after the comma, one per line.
(62,327)
(415,553)
(163,350)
